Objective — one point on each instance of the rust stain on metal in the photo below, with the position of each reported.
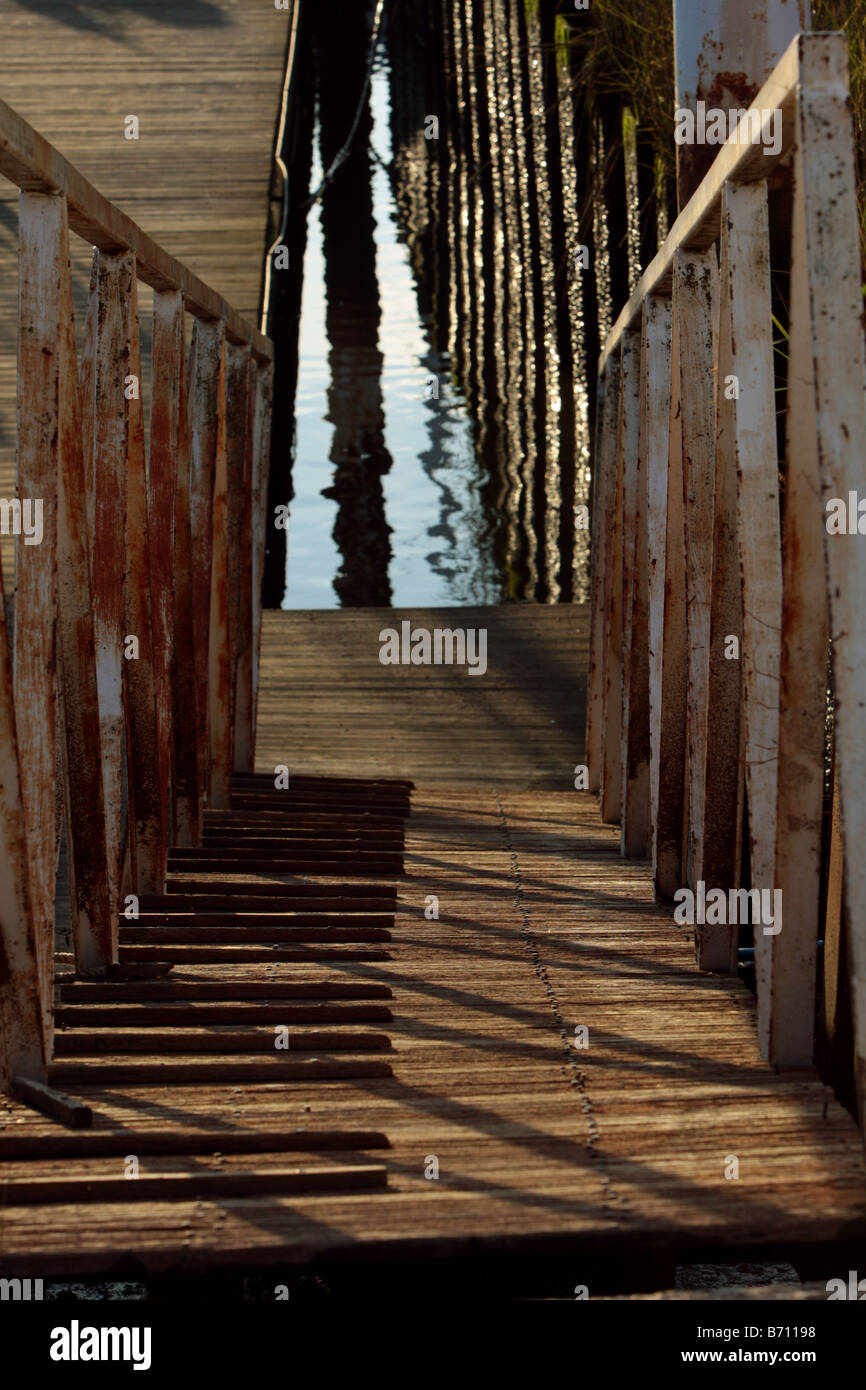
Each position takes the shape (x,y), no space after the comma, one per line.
(728,90)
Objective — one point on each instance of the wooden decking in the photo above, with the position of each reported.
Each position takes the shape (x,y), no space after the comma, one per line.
(329,704)
(204,79)
(449,1039)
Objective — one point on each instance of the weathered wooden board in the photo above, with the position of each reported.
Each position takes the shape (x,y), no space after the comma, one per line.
(35,675)
(830,264)
(22,1046)
(655,428)
(697,288)
(634,755)
(94,925)
(219,718)
(668,820)
(186,755)
(206,403)
(327,704)
(165,438)
(147,808)
(759,528)
(611,729)
(717,859)
(263,407)
(802,691)
(606,383)
(542,928)
(105,413)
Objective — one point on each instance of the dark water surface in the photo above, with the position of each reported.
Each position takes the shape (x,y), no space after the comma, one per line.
(366,402)
(444,398)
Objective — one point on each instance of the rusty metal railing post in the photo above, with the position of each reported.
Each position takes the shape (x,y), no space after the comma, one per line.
(724,51)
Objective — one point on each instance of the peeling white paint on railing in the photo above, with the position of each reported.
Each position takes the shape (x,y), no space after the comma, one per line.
(739,608)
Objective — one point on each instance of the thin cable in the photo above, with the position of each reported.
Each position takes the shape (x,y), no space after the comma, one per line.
(281,165)
(343,154)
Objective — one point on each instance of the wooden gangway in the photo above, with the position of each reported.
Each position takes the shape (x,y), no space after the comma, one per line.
(419,1039)
(391,989)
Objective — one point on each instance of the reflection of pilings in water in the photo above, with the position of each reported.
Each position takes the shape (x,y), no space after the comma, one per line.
(415,165)
(601,239)
(580,366)
(508,300)
(497,277)
(574,540)
(441,263)
(482,383)
(462,526)
(462,341)
(610,281)
(471,289)
(451,155)
(526,343)
(285,315)
(493,255)
(352,321)
(515,386)
(632,197)
(474,329)
(488,262)
(583,148)
(546,193)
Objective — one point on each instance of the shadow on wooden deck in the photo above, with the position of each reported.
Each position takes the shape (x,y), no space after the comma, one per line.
(556,1088)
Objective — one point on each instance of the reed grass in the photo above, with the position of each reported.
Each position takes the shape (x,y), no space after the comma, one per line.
(626,49)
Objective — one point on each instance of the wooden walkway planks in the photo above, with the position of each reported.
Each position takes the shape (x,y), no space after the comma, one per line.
(542,927)
(201,76)
(327,703)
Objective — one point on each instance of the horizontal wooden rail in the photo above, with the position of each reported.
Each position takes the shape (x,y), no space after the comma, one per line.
(35,166)
(134,666)
(712,611)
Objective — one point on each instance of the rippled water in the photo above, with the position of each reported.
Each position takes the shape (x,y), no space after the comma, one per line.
(440,538)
